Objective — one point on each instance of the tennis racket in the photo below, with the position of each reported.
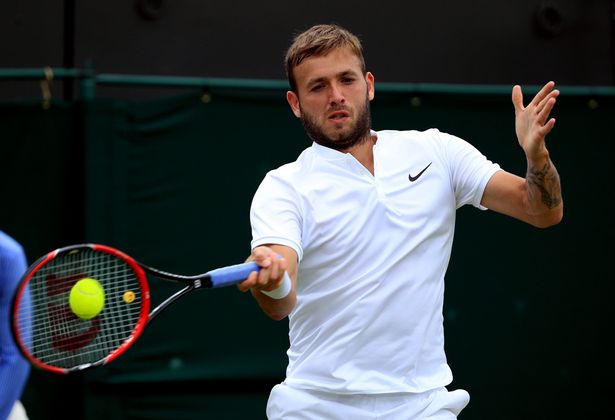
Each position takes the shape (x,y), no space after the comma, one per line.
(52,337)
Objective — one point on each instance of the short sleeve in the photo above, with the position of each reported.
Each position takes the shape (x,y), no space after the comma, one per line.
(470,171)
(275,214)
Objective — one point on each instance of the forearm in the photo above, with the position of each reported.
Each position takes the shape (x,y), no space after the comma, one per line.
(276,309)
(543,190)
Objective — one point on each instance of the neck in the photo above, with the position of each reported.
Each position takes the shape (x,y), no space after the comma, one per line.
(364,152)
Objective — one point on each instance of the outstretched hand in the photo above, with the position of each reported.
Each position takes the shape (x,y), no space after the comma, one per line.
(532,123)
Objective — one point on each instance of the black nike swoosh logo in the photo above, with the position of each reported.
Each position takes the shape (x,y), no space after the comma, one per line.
(414,178)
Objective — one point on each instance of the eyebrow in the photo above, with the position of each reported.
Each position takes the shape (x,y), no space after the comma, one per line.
(339,75)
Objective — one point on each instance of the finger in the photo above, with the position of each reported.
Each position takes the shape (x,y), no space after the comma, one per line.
(546,89)
(517,98)
(263,278)
(248,283)
(270,278)
(546,110)
(276,273)
(262,257)
(546,129)
(554,94)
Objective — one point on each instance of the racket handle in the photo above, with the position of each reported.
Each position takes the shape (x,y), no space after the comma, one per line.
(233,274)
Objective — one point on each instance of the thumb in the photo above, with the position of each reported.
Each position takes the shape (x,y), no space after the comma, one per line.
(517,98)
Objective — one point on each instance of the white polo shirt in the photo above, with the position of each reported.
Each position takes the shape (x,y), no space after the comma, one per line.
(373,252)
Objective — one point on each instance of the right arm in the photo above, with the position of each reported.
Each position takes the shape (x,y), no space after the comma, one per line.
(273,260)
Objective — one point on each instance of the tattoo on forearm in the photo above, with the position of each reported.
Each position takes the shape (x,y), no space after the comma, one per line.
(546,181)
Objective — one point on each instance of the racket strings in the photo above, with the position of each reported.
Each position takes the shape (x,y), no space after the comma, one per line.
(54,335)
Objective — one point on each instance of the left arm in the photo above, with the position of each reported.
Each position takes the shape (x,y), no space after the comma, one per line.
(537,199)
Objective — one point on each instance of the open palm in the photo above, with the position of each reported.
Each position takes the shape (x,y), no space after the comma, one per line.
(532,122)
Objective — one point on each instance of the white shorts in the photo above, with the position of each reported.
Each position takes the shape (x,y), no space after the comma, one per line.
(289,403)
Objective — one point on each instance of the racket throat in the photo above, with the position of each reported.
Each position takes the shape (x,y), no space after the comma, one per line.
(169,301)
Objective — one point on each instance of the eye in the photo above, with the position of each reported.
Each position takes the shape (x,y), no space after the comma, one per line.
(348,80)
(316,88)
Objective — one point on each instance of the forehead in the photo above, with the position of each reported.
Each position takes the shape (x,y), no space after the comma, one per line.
(335,62)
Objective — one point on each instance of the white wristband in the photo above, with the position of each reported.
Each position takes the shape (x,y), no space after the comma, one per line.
(282,291)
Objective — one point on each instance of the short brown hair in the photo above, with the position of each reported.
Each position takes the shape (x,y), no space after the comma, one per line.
(320,40)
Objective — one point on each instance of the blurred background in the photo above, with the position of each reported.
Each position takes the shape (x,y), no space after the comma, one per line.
(147,125)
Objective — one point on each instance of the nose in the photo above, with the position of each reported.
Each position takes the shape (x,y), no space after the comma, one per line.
(335,94)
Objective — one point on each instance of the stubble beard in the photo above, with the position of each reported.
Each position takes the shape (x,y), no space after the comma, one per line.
(358,134)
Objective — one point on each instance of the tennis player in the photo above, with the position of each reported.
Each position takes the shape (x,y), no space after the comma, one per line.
(13,367)
(364,221)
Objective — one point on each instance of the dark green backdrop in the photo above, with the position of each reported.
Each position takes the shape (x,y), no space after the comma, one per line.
(528,311)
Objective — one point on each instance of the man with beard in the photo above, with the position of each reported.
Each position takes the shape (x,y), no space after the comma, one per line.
(354,239)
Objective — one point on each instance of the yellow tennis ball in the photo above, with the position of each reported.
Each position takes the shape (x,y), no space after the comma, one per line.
(87,298)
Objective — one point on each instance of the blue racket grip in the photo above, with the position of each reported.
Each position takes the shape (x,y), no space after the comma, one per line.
(233,274)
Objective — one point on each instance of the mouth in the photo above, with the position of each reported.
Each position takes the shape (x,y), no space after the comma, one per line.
(338,116)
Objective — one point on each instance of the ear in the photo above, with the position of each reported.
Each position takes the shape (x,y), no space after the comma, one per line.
(369,79)
(293,101)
